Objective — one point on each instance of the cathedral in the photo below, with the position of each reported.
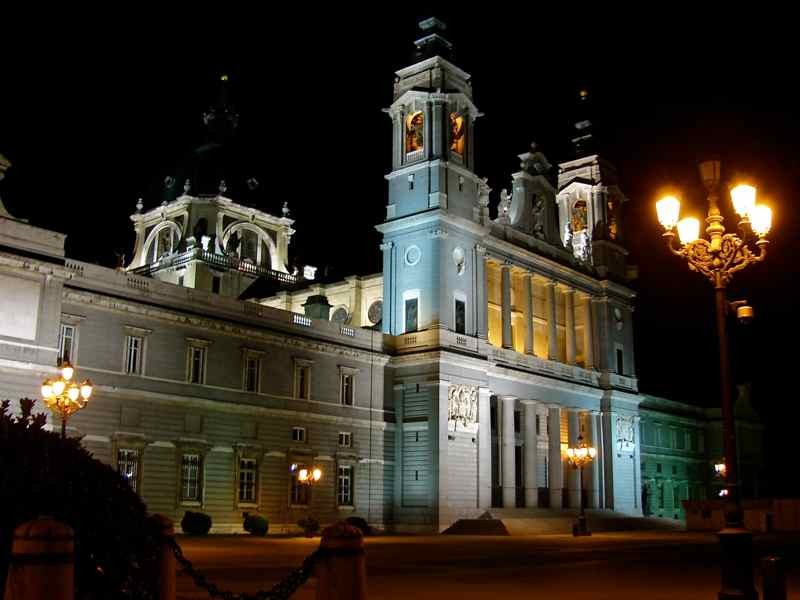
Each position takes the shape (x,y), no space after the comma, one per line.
(450,384)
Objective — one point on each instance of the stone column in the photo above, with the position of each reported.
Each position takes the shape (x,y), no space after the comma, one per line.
(527,308)
(591,477)
(569,324)
(588,338)
(481,294)
(509,455)
(531,454)
(555,477)
(505,269)
(573,476)
(552,330)
(484,450)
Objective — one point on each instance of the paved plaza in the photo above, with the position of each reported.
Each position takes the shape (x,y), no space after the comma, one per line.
(618,566)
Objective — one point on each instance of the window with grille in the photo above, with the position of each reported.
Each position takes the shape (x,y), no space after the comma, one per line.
(66,342)
(190,477)
(344,486)
(345,439)
(134,350)
(298,434)
(252,372)
(348,380)
(247,480)
(197,364)
(128,465)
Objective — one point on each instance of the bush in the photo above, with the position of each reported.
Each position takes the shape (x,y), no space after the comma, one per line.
(360,524)
(41,474)
(255,524)
(309,525)
(195,523)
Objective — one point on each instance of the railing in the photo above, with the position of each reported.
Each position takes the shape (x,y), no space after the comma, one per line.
(217,260)
(301,320)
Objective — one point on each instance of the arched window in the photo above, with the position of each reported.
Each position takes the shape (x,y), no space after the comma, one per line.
(165,242)
(457,133)
(414,131)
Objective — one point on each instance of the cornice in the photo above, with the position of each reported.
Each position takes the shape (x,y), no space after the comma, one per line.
(122,306)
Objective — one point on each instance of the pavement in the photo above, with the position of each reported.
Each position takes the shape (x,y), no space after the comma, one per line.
(639,565)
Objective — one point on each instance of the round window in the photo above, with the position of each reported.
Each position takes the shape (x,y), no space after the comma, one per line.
(340,315)
(375,312)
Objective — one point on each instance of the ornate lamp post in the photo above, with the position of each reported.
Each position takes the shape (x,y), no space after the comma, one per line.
(578,457)
(718,258)
(64,396)
(307,476)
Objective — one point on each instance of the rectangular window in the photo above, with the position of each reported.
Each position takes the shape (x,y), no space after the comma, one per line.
(134,350)
(661,496)
(66,343)
(346,398)
(128,465)
(180,280)
(197,364)
(252,373)
(676,498)
(412,304)
(247,480)
(620,366)
(461,316)
(658,467)
(538,424)
(299,434)
(215,284)
(344,486)
(517,421)
(302,380)
(190,477)
(345,439)
(300,492)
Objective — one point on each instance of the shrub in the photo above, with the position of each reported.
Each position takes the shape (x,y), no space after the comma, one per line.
(195,523)
(41,474)
(309,525)
(360,524)
(255,524)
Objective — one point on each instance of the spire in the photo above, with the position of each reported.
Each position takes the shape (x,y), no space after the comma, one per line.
(221,119)
(432,43)
(583,137)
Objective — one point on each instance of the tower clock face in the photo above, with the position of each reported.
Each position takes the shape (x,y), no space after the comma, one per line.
(457,133)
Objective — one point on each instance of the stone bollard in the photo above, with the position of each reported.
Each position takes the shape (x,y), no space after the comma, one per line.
(341,572)
(166,558)
(774,578)
(42,562)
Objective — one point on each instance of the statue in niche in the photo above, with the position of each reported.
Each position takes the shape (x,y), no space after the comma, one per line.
(414,131)
(457,133)
(578,216)
(165,241)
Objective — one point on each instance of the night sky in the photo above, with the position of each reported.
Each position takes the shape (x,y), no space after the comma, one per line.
(96,109)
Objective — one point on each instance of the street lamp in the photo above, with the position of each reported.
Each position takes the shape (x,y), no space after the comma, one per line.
(718,258)
(578,457)
(64,396)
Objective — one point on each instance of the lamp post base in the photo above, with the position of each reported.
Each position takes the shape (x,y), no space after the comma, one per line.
(736,545)
(579,528)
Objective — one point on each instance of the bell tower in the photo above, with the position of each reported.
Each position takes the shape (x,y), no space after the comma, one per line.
(433,193)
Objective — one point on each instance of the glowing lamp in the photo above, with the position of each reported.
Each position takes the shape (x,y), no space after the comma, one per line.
(86,389)
(67,371)
(302,475)
(720,469)
(744,199)
(317,474)
(688,230)
(58,387)
(668,209)
(761,219)
(74,392)
(47,389)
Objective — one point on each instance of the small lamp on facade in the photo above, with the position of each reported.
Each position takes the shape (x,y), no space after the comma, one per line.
(64,396)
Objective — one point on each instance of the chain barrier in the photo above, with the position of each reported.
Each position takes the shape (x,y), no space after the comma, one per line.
(280,591)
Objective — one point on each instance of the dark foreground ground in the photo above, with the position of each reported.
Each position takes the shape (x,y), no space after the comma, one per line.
(618,566)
